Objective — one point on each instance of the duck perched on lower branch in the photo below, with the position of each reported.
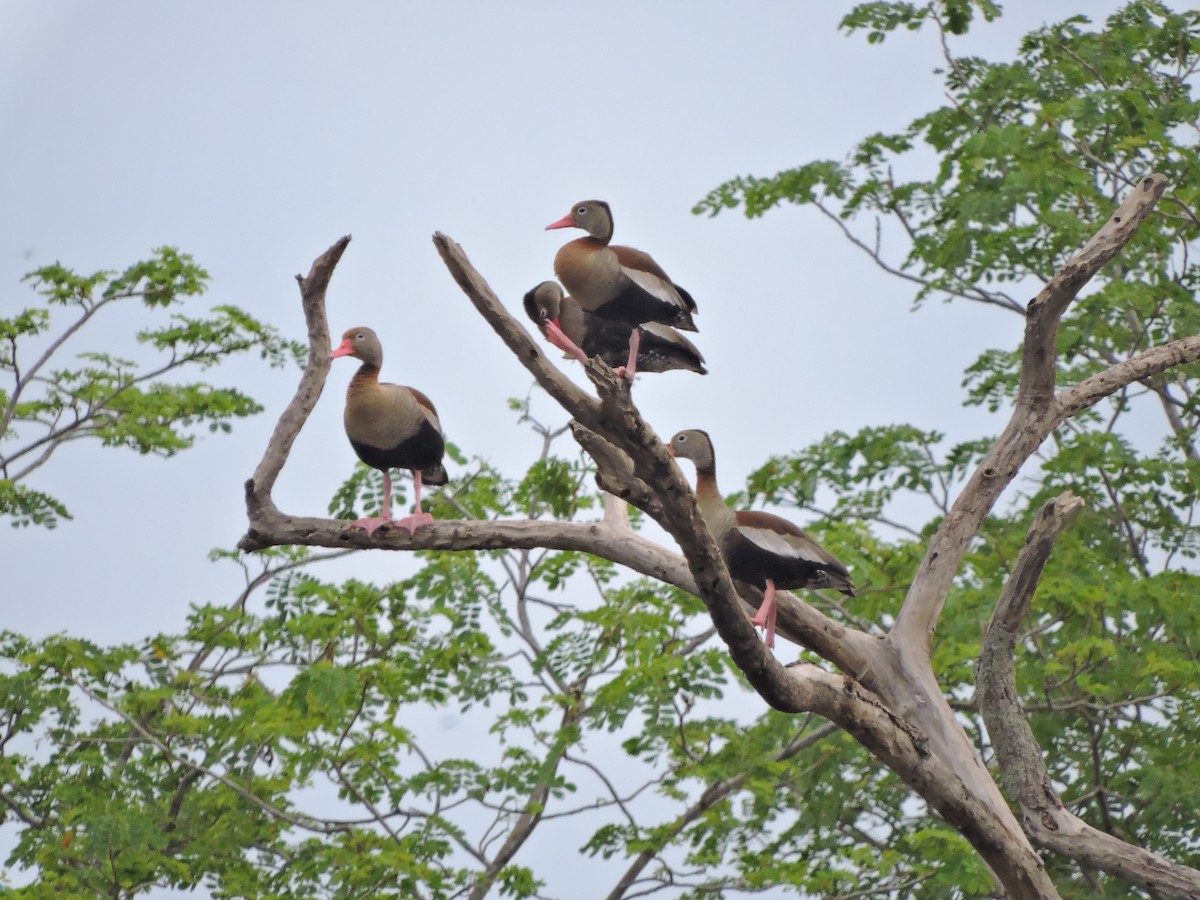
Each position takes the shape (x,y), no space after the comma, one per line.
(390,426)
(571,328)
(759,548)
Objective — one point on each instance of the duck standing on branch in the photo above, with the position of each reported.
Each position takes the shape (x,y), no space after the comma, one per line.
(760,548)
(617,283)
(390,426)
(571,328)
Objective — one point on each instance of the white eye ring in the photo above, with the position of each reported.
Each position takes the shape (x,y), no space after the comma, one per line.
(682,438)
(582,211)
(359,336)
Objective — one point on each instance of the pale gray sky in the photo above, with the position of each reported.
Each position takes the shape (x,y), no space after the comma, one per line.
(254,135)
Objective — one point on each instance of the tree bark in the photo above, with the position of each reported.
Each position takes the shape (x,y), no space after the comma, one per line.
(1044,816)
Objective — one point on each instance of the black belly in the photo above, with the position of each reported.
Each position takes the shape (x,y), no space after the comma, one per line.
(750,563)
(424,450)
(635,306)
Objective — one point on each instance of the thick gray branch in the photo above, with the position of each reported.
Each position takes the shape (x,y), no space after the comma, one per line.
(907,682)
(1047,821)
(1144,365)
(620,545)
(524,347)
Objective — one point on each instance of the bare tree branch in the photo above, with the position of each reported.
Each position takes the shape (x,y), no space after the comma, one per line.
(524,347)
(713,794)
(528,820)
(1040,352)
(312,382)
(1146,364)
(1032,420)
(1044,816)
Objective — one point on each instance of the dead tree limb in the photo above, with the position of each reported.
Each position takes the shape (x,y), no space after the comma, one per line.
(1033,418)
(1043,814)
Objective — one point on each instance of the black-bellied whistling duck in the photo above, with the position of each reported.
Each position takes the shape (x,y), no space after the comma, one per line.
(760,548)
(617,283)
(390,427)
(568,326)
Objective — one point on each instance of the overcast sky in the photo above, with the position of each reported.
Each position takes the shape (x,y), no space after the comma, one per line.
(253,135)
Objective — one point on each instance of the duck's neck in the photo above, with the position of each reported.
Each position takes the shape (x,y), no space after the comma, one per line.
(711,503)
(591,242)
(365,378)
(706,482)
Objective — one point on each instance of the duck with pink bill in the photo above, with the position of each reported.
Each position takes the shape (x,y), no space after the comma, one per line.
(759,548)
(390,426)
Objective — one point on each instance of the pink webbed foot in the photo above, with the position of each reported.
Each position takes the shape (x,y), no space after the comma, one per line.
(556,336)
(413,522)
(372,524)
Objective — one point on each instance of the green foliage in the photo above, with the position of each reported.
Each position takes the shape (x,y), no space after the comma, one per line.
(29,507)
(121,402)
(214,740)
(883,17)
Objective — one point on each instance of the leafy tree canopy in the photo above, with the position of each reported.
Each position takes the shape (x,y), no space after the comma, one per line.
(46,401)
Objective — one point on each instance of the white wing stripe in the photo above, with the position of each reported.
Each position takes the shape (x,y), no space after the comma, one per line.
(652,284)
(778,544)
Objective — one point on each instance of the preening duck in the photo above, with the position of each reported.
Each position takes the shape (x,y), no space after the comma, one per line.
(759,548)
(390,426)
(571,328)
(617,283)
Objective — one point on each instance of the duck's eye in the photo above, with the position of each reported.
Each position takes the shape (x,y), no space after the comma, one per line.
(359,336)
(582,211)
(682,439)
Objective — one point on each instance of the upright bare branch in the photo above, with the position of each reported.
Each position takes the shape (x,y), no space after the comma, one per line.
(1044,816)
(312,382)
(1032,420)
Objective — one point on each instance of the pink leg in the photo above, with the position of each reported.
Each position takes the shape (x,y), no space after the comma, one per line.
(419,518)
(559,339)
(374,523)
(630,368)
(765,617)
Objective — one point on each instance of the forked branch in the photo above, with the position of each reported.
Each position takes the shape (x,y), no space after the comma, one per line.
(1044,816)
(1034,417)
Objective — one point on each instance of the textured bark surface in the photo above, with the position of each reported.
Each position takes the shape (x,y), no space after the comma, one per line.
(1043,813)
(884,691)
